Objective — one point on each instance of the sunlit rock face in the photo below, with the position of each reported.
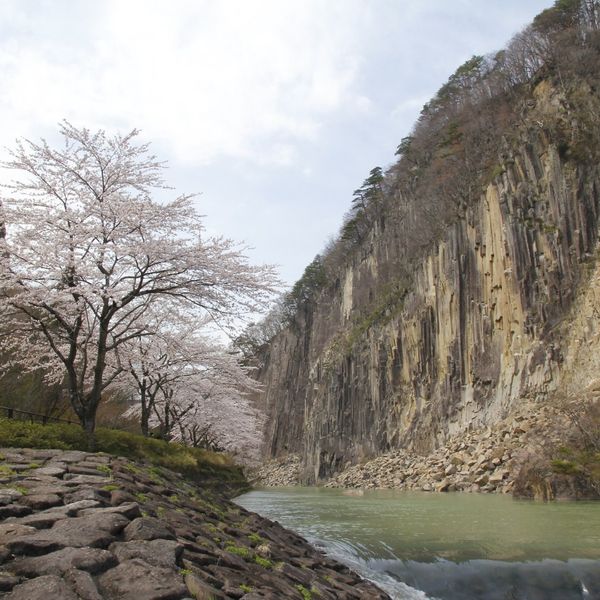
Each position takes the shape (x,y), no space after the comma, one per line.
(496,310)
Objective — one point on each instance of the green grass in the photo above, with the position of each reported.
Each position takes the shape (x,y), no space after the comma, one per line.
(306,594)
(246,588)
(111,487)
(194,463)
(242,551)
(263,562)
(18,488)
(6,471)
(254,537)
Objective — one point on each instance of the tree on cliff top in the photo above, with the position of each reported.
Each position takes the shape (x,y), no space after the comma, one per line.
(88,251)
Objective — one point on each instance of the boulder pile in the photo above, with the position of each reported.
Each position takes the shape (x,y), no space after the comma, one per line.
(484,460)
(488,459)
(278,472)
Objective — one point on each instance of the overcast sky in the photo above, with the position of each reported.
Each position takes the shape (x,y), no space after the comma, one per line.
(274,110)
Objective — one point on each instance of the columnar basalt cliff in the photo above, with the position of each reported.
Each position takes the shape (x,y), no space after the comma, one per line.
(396,352)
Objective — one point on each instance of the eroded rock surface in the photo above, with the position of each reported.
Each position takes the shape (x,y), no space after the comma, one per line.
(79,526)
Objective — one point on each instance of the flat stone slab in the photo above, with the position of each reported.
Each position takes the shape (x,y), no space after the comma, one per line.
(49,471)
(86,469)
(40,501)
(136,579)
(147,528)
(10,531)
(48,587)
(41,520)
(9,495)
(73,508)
(131,510)
(93,479)
(83,584)
(73,456)
(87,492)
(96,531)
(92,560)
(159,553)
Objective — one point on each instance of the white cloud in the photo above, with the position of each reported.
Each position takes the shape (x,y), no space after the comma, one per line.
(207,79)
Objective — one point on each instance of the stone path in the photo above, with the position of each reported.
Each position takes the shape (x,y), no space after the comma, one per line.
(79,526)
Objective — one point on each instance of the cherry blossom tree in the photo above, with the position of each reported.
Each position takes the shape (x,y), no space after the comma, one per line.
(174,354)
(212,411)
(190,388)
(88,252)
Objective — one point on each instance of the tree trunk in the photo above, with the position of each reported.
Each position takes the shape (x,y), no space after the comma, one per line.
(144,424)
(145,416)
(88,422)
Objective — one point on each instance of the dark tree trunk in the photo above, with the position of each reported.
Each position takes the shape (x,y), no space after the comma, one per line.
(88,423)
(145,416)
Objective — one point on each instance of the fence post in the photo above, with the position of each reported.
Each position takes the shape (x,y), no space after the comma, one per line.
(10,413)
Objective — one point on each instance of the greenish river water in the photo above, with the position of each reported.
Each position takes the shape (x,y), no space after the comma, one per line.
(448,546)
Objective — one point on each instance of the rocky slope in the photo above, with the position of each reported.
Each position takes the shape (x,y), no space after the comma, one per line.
(92,527)
(474,329)
(483,460)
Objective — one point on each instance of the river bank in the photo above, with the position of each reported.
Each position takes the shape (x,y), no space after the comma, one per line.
(87,526)
(487,459)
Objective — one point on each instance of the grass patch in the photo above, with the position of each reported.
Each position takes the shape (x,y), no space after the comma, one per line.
(6,471)
(18,488)
(254,537)
(263,562)
(306,594)
(246,588)
(155,475)
(242,551)
(195,463)
(111,487)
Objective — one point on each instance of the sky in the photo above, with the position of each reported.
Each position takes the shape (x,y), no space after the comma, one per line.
(273,111)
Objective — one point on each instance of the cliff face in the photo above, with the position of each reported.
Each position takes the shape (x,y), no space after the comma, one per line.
(452,340)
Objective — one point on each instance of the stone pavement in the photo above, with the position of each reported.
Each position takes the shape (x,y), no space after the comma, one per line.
(81,526)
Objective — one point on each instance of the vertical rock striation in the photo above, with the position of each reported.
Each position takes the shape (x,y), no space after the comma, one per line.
(404,355)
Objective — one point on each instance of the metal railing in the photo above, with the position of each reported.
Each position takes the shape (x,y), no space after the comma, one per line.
(13,413)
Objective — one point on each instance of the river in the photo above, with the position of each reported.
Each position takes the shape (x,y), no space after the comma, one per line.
(454,546)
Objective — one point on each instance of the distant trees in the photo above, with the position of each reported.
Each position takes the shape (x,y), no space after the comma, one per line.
(89,255)
(253,340)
